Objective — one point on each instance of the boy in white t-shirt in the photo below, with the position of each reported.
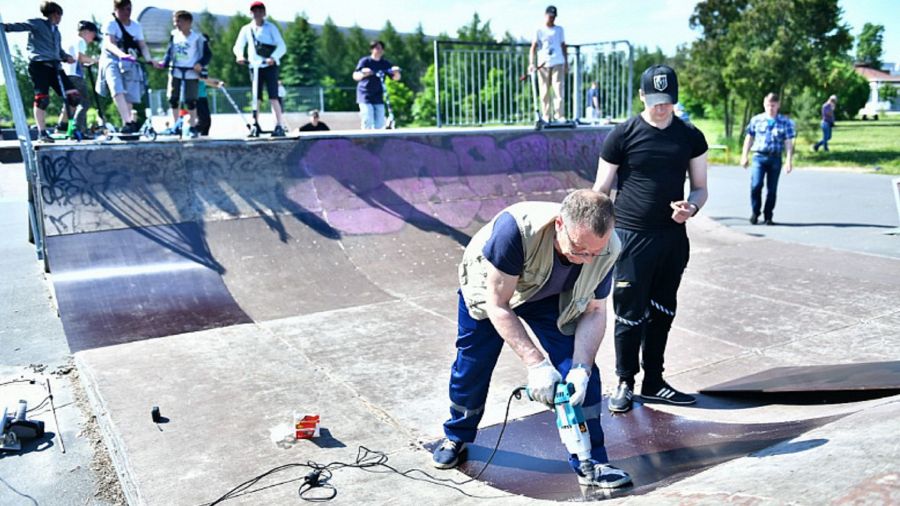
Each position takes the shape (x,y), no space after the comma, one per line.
(78,48)
(186,57)
(549,50)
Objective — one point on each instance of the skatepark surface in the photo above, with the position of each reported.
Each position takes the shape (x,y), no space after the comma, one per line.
(233,284)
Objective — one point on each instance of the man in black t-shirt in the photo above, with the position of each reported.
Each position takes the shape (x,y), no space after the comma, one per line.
(314,124)
(646,159)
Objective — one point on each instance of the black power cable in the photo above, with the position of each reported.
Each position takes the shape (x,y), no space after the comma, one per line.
(368,460)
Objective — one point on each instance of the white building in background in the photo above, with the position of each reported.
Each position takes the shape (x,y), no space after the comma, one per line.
(877,80)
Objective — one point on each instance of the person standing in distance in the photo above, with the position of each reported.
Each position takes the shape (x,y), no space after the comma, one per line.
(369,90)
(646,160)
(265,47)
(827,123)
(768,134)
(549,46)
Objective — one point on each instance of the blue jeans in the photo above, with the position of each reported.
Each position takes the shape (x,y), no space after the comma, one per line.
(766,167)
(826,136)
(478,346)
(371,116)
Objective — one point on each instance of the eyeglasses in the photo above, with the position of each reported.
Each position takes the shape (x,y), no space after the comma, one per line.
(578,251)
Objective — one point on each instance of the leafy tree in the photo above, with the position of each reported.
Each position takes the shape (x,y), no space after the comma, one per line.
(401,98)
(750,47)
(357,46)
(338,98)
(299,65)
(782,47)
(842,79)
(333,54)
(26,88)
(869,46)
(206,25)
(224,64)
(709,54)
(887,92)
(475,31)
(419,54)
(424,109)
(394,47)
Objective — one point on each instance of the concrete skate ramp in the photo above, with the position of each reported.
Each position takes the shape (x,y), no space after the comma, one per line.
(289,227)
(149,282)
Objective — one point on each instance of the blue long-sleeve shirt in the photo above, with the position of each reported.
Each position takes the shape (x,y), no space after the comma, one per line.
(44,42)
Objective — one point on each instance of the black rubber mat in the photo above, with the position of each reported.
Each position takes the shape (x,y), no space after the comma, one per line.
(656,448)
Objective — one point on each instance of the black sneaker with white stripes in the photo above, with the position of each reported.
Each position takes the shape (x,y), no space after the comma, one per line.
(621,401)
(663,392)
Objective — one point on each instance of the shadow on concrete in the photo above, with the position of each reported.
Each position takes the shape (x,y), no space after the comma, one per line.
(732,220)
(327,440)
(834,225)
(36,445)
(790,448)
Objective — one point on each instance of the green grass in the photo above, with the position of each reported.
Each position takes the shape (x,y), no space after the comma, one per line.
(854,144)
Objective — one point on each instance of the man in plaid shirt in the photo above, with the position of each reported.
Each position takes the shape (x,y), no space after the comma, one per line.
(768,135)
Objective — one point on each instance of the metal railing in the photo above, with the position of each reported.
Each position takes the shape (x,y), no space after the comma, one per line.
(35,204)
(488,83)
(297,99)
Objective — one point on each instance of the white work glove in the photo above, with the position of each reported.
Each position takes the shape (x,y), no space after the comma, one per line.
(542,380)
(579,377)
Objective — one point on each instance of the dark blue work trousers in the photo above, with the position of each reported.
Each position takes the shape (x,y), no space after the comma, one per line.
(478,346)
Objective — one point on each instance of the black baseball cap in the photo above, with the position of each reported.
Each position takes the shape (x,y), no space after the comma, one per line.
(660,85)
(87,25)
(551,10)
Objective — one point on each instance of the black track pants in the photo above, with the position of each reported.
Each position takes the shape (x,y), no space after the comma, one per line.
(647,276)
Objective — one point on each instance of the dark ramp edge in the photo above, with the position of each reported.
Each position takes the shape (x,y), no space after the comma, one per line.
(870,378)
(656,448)
(118,286)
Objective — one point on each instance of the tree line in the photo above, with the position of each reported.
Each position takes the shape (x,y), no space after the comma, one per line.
(800,49)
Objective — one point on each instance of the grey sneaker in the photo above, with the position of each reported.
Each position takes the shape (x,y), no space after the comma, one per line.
(622,400)
(604,476)
(449,454)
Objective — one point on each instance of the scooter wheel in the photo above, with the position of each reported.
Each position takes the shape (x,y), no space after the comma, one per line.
(151,135)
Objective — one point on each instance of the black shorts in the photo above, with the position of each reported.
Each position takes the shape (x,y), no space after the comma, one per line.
(268,79)
(46,76)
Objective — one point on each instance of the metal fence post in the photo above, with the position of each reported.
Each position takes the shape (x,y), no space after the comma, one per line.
(578,85)
(437,84)
(35,207)
(630,77)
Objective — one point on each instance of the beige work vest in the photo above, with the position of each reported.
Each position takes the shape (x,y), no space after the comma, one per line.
(536,226)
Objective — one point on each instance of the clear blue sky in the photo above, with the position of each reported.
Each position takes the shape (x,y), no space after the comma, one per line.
(651,23)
